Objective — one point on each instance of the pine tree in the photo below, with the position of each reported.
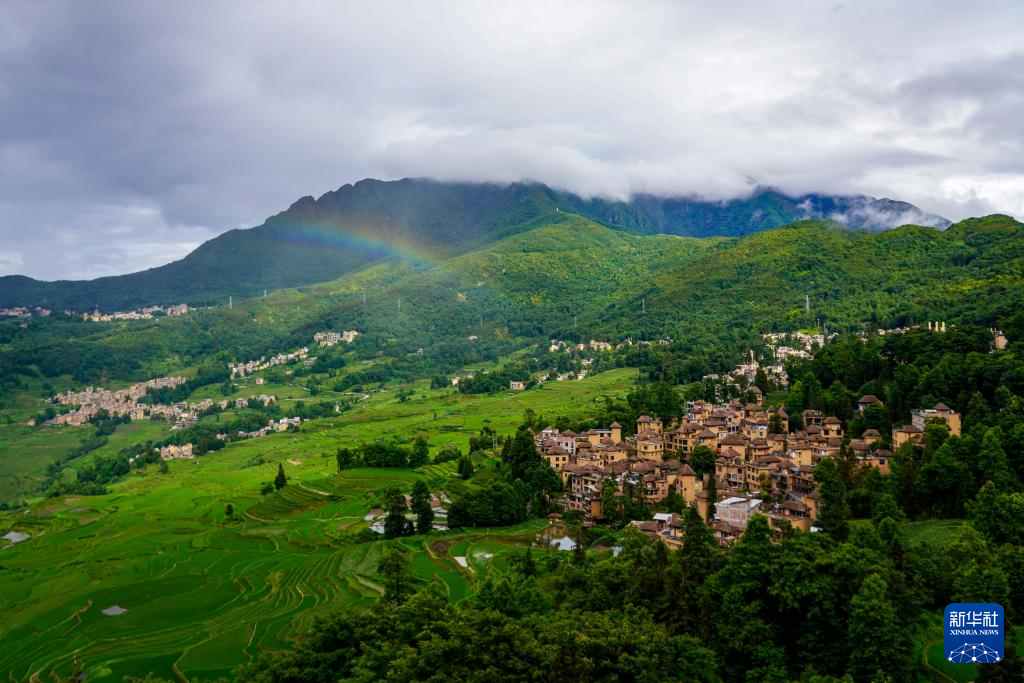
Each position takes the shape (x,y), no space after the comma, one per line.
(465,467)
(834,513)
(702,460)
(421,506)
(280,480)
(579,555)
(420,455)
(874,634)
(394,565)
(395,523)
(521,453)
(344,458)
(529,567)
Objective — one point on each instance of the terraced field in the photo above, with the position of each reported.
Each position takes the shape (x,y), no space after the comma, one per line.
(201,593)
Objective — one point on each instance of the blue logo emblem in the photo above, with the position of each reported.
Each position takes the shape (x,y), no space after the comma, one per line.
(974,633)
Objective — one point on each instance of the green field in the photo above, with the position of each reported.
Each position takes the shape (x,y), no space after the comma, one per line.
(203,594)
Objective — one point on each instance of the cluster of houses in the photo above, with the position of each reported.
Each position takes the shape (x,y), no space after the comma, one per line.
(184,451)
(117,403)
(173,452)
(146,313)
(271,427)
(23,312)
(557,345)
(129,402)
(785,345)
(921,417)
(239,370)
(438,504)
(332,338)
(760,466)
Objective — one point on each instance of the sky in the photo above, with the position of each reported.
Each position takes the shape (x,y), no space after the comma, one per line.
(131,132)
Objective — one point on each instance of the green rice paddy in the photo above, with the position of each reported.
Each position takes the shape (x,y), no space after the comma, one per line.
(202,593)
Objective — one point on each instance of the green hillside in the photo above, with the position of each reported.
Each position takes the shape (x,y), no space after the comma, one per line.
(570,278)
(855,280)
(316,240)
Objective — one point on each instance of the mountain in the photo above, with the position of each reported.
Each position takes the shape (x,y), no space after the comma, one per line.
(316,240)
(572,278)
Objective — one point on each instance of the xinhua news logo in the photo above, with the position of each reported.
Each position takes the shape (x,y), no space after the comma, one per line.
(974,633)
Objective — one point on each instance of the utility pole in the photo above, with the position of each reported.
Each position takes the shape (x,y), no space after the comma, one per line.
(643,304)
(231,302)
(364,298)
(807,303)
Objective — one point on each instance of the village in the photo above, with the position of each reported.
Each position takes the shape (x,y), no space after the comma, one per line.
(186,451)
(760,467)
(24,312)
(324,339)
(239,370)
(147,313)
(129,402)
(118,403)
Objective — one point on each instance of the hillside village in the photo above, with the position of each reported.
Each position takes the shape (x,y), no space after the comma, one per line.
(129,403)
(147,313)
(760,467)
(118,403)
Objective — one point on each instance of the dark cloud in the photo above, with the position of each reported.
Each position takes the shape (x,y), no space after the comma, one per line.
(132,131)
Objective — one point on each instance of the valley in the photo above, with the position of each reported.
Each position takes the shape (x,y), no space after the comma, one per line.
(204,593)
(185,495)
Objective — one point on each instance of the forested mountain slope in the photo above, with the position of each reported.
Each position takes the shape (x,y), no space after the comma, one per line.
(321,239)
(571,278)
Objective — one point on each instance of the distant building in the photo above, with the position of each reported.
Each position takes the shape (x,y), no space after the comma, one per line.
(942,412)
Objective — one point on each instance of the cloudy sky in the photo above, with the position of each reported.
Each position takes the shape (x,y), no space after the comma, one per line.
(132,131)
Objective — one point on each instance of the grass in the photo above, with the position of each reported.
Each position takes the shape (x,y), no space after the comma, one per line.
(204,593)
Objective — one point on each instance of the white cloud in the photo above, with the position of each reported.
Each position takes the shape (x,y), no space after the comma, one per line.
(11,262)
(216,117)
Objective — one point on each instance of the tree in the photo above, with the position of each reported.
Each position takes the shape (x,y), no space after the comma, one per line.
(465,467)
(420,455)
(164,467)
(885,507)
(998,516)
(344,458)
(421,506)
(528,567)
(696,562)
(702,460)
(280,480)
(834,514)
(522,453)
(874,634)
(712,490)
(395,523)
(609,500)
(229,510)
(579,554)
(394,565)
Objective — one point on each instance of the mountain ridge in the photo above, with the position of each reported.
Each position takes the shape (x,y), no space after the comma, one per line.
(319,239)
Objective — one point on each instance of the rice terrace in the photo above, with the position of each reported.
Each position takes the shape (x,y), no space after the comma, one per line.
(558,342)
(121,578)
